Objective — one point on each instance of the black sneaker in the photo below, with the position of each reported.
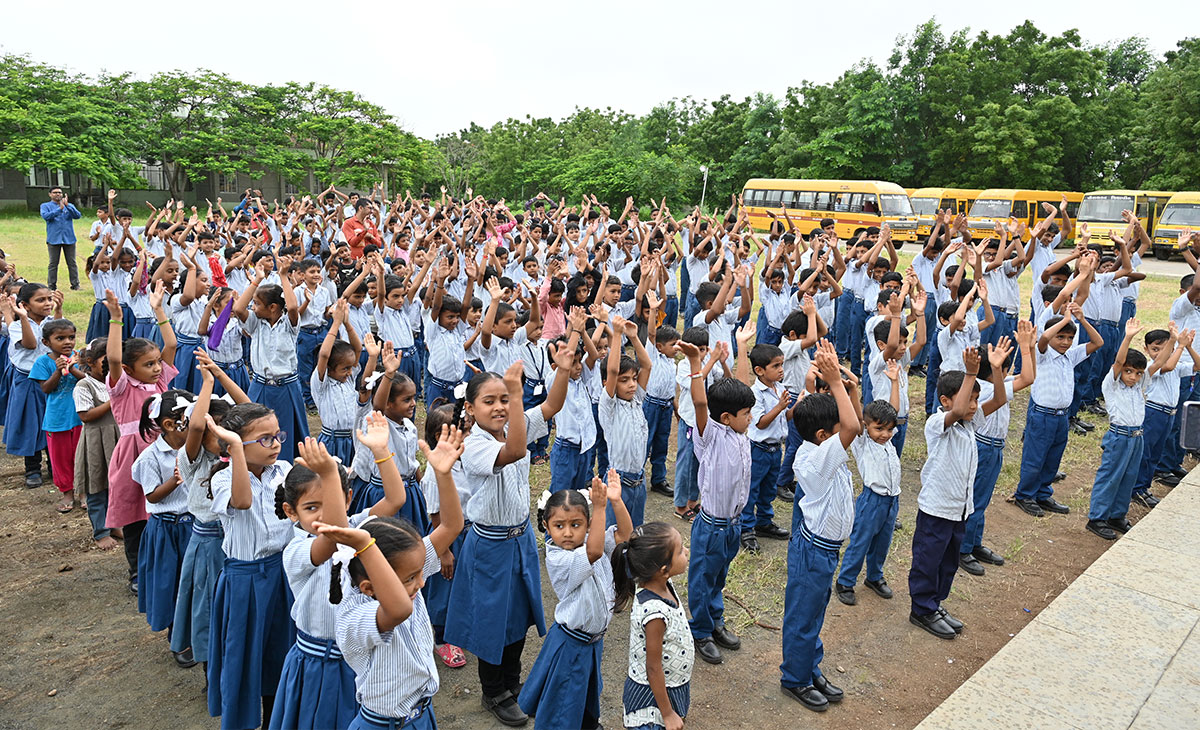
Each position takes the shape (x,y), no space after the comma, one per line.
(772,531)
(967,562)
(845,594)
(663,488)
(787,494)
(504,707)
(750,543)
(1120,524)
(1101,528)
(1146,499)
(809,696)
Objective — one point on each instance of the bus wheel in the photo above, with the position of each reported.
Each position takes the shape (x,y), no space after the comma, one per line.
(1162,253)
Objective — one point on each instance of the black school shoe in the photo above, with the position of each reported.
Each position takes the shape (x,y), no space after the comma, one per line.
(1120,524)
(1179,472)
(1051,505)
(1029,507)
(1059,476)
(1167,479)
(504,707)
(1101,528)
(772,531)
(950,620)
(1146,499)
(726,639)
(663,488)
(809,696)
(882,589)
(824,686)
(967,562)
(184,658)
(934,624)
(750,543)
(1095,409)
(707,650)
(845,594)
(33,480)
(787,494)
(985,555)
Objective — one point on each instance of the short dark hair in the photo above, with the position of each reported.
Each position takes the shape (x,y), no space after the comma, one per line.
(728,395)
(881,412)
(1068,328)
(762,354)
(883,329)
(1153,337)
(815,412)
(950,382)
(796,321)
(1135,359)
(697,336)
(54,325)
(946,310)
(665,334)
(1186,282)
(706,293)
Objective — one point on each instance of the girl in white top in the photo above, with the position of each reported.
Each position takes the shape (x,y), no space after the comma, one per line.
(382,625)
(317,488)
(563,688)
(187,307)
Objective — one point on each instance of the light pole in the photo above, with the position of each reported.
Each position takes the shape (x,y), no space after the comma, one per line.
(703,190)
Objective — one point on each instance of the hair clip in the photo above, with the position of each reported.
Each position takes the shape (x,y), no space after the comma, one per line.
(542,500)
(155,406)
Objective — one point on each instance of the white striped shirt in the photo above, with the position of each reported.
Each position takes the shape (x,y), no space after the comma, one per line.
(995,424)
(661,383)
(1163,387)
(314,315)
(1104,298)
(20,357)
(195,478)
(446,354)
(394,670)
(724,469)
(272,346)
(881,384)
(359,318)
(1054,386)
(683,379)
(337,402)
(1184,314)
(1126,405)
(721,328)
(951,344)
(948,476)
(795,364)
(625,431)
(823,476)
(878,465)
(575,423)
(777,306)
(402,440)
(186,319)
(534,360)
(766,397)
(584,588)
(311,610)
(1003,290)
(229,349)
(499,495)
(394,325)
(257,531)
(433,498)
(503,353)
(153,467)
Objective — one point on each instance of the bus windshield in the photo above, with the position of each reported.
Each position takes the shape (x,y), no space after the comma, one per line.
(895,205)
(1181,214)
(991,208)
(1104,208)
(925,206)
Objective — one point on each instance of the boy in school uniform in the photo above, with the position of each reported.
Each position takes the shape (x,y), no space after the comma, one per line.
(661,345)
(313,300)
(1185,313)
(801,330)
(962,329)
(1103,311)
(687,490)
(776,303)
(623,419)
(1124,390)
(575,426)
(890,339)
(1046,421)
(767,432)
(723,452)
(945,500)
(828,423)
(718,312)
(1166,348)
(990,436)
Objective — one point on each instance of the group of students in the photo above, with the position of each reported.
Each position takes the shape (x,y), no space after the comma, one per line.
(183,424)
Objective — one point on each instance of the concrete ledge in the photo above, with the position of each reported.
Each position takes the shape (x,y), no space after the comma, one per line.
(1119,648)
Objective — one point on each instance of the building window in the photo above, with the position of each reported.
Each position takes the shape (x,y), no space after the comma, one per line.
(289,188)
(226,183)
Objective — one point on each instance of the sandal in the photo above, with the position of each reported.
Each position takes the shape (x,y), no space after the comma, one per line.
(451,655)
(64,508)
(688,514)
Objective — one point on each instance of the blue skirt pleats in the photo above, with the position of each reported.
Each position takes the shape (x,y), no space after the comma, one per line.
(252,631)
(340,446)
(160,562)
(564,682)
(287,403)
(23,434)
(415,509)
(5,379)
(496,595)
(437,588)
(127,322)
(98,321)
(148,329)
(315,692)
(237,373)
(202,563)
(185,361)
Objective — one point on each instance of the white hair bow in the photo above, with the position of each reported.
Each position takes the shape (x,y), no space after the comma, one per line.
(370,381)
(460,391)
(342,555)
(542,500)
(155,406)
(185,404)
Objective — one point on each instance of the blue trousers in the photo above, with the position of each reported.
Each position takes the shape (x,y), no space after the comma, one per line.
(529,400)
(421,355)
(871,537)
(764,473)
(1128,310)
(991,459)
(810,571)
(868,390)
(437,388)
(787,474)
(767,335)
(308,344)
(930,323)
(671,311)
(658,419)
(691,308)
(1119,464)
(1154,440)
(569,468)
(687,467)
(1004,326)
(842,324)
(900,435)
(858,317)
(628,291)
(1082,372)
(933,369)
(410,365)
(633,494)
(599,452)
(1172,454)
(714,544)
(1045,439)
(1102,359)
(934,561)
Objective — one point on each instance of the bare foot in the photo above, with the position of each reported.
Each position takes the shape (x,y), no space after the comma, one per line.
(106,543)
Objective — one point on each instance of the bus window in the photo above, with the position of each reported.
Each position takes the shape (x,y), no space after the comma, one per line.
(1143,208)
(857,202)
(750,197)
(890,204)
(841,202)
(1072,209)
(1181,214)
(1020,210)
(947,204)
(823,201)
(786,200)
(992,208)
(869,205)
(772,198)
(803,200)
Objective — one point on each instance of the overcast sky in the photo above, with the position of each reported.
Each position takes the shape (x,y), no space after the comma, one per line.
(440,65)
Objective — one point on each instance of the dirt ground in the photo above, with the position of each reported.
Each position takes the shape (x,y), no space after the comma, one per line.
(76,654)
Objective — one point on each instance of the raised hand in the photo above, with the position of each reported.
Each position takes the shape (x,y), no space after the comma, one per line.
(449,447)
(745,333)
(999,352)
(893,370)
(315,456)
(374,434)
(971,360)
(1132,326)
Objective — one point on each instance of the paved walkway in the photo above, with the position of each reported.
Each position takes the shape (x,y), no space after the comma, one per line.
(1119,648)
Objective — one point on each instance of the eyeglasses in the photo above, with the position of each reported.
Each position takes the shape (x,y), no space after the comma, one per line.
(268,441)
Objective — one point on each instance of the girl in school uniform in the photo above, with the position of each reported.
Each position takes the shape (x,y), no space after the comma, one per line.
(382,624)
(658,626)
(316,687)
(137,370)
(186,309)
(251,629)
(396,398)
(577,562)
(56,373)
(204,557)
(272,330)
(223,334)
(169,527)
(333,386)
(163,269)
(537,370)
(6,318)
(99,271)
(496,594)
(23,434)
(97,439)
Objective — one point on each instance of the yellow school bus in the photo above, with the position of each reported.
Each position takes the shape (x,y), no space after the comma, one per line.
(1101,210)
(926,202)
(1182,211)
(853,205)
(1000,204)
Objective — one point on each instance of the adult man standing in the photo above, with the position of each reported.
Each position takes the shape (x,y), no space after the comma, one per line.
(360,229)
(60,235)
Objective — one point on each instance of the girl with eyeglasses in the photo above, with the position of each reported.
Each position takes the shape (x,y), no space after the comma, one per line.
(251,628)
